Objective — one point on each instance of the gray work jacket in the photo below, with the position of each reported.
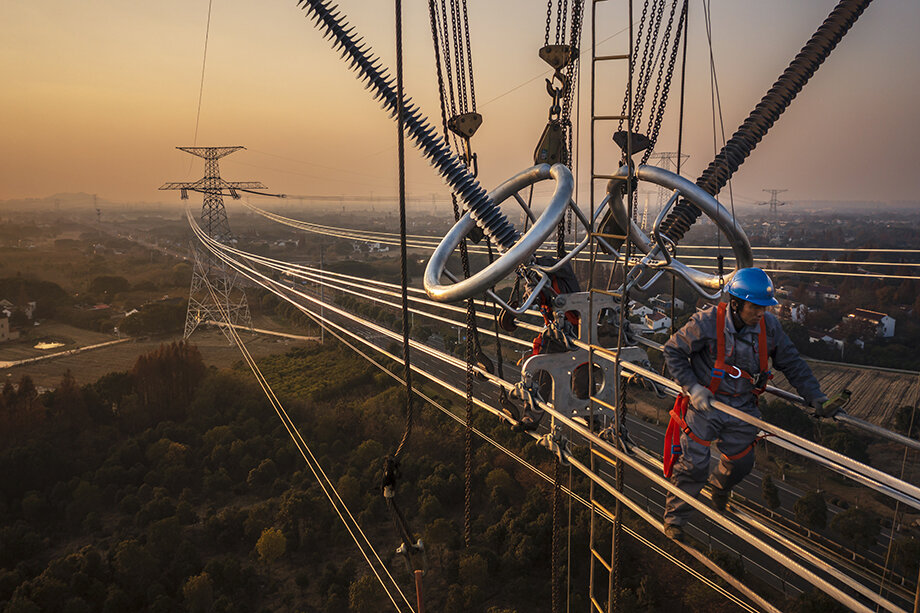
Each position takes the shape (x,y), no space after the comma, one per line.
(691,353)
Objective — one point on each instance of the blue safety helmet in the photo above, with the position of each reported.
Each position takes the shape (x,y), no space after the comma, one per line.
(753,285)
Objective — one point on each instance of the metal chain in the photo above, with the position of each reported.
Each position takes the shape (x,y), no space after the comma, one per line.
(632,60)
(571,74)
(444,37)
(468,441)
(646,66)
(549,15)
(458,57)
(560,238)
(472,335)
(563,14)
(568,100)
(558,23)
(660,106)
(661,45)
(555,564)
(469,55)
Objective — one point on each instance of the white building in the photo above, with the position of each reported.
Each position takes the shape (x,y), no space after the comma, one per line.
(816,336)
(639,310)
(792,311)
(797,313)
(884,325)
(664,301)
(657,321)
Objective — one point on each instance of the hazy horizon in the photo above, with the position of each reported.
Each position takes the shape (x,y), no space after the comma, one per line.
(97,98)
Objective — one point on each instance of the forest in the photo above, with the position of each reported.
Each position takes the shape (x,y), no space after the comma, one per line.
(173,486)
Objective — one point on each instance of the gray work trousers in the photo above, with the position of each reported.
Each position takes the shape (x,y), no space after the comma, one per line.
(691,471)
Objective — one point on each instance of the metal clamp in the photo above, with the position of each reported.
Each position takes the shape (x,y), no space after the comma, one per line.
(522,251)
(556,441)
(658,251)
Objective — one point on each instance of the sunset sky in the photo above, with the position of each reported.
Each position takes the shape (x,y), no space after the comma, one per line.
(97,94)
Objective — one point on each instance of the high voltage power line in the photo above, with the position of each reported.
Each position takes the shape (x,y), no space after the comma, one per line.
(272,286)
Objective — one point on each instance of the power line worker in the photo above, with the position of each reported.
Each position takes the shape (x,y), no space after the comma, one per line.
(721,354)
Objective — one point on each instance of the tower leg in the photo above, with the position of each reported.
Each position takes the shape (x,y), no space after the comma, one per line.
(215,297)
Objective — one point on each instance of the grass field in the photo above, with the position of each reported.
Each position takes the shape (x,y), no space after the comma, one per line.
(89,366)
(877,394)
(72,338)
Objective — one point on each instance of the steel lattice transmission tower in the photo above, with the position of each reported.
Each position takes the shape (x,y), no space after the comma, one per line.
(215,287)
(774,202)
(669,161)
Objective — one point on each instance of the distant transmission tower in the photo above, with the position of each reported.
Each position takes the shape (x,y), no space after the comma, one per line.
(668,161)
(773,202)
(215,289)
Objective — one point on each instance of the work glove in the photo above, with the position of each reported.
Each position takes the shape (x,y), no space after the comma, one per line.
(700,397)
(818,405)
(829,408)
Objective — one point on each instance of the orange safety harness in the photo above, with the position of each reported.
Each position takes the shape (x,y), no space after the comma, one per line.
(678,422)
(540,344)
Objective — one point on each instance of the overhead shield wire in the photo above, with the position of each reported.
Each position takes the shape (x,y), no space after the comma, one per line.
(332,23)
(428,243)
(339,331)
(219,247)
(908,493)
(313,464)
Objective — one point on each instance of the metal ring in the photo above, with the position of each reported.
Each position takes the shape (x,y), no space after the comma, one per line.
(741,246)
(516,255)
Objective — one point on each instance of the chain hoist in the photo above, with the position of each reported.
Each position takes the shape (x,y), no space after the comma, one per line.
(555,141)
(551,148)
(659,56)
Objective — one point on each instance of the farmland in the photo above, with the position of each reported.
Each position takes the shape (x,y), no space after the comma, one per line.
(88,366)
(877,394)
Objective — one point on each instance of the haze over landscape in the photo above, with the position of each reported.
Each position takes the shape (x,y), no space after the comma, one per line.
(206,404)
(97,96)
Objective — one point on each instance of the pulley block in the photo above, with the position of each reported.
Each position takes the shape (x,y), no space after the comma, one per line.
(640,142)
(465,125)
(551,147)
(557,56)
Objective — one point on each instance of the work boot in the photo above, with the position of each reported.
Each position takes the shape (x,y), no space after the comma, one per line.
(720,499)
(674,532)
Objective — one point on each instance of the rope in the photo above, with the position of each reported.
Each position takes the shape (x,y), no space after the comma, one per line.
(404,274)
(204,59)
(555,564)
(312,463)
(716,98)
